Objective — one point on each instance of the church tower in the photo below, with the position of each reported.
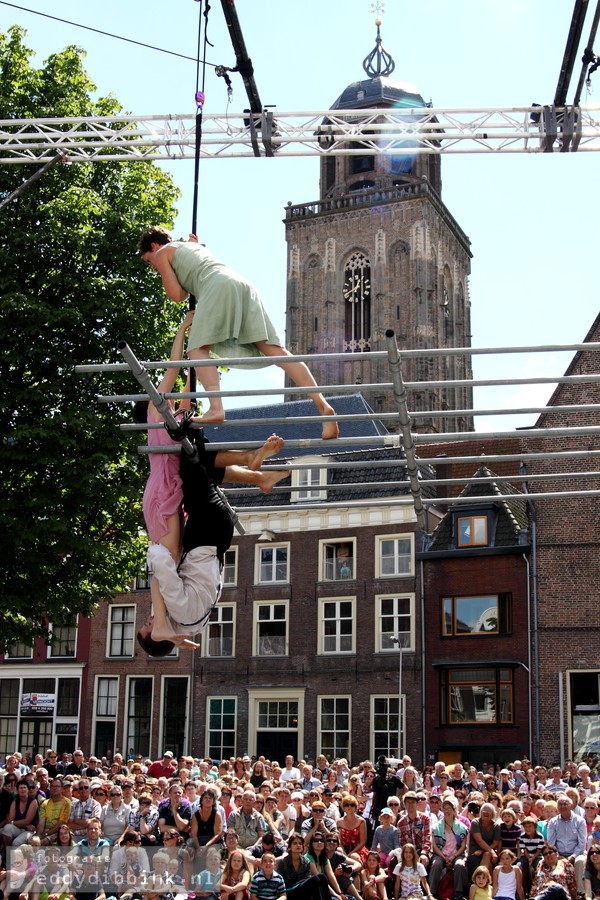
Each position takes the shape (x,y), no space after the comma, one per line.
(380,250)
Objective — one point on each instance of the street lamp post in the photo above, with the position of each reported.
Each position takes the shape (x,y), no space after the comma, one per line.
(398,641)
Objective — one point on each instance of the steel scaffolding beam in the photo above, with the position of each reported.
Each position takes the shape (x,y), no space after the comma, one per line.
(409,132)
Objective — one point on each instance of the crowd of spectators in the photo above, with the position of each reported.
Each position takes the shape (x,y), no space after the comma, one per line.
(73,828)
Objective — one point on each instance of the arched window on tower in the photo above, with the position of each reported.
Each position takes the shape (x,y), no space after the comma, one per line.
(357,303)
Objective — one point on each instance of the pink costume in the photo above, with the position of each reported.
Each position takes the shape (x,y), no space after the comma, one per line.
(163,494)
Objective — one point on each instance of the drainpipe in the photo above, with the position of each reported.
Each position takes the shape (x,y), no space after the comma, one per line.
(192,707)
(536,649)
(529,679)
(423,703)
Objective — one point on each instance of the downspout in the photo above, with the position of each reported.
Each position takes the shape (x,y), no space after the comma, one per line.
(536,655)
(192,704)
(423,703)
(529,678)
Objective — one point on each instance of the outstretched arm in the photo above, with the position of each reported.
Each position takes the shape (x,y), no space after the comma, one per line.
(170,377)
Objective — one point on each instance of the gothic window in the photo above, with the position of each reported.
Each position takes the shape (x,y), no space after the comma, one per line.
(357,303)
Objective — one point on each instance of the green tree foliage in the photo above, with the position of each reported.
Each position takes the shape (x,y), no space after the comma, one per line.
(71,286)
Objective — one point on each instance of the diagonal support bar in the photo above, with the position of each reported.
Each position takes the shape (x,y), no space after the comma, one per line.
(400,397)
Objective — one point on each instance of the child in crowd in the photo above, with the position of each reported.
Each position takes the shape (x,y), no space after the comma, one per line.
(531,843)
(507,881)
(373,878)
(267,884)
(411,875)
(385,837)
(207,883)
(481,889)
(510,831)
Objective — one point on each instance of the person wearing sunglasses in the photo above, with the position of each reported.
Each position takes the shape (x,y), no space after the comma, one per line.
(554,878)
(128,860)
(591,875)
(83,809)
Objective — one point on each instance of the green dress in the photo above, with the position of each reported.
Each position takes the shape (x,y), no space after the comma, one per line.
(230,316)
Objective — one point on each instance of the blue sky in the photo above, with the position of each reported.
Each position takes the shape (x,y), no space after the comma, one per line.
(531,218)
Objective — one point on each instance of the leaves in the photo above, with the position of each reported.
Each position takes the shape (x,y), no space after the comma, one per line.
(71,286)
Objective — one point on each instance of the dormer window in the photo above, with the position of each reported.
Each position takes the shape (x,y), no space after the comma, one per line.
(472,531)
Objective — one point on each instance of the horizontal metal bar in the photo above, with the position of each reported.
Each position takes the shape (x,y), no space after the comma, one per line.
(382,441)
(426,483)
(333,389)
(322,506)
(261,362)
(386,417)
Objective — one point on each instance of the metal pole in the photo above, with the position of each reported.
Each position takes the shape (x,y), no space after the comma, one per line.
(409,448)
(27,184)
(158,400)
(398,640)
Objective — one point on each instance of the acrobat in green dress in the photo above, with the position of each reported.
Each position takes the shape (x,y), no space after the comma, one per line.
(230,317)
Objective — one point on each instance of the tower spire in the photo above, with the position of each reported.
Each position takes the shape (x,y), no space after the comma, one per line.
(379,62)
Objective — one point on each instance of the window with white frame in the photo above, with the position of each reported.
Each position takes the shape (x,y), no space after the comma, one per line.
(384,726)
(219,635)
(272,563)
(19,650)
(221,726)
(270,629)
(309,483)
(230,567)
(337,560)
(394,621)
(121,621)
(395,555)
(337,628)
(334,727)
(9,711)
(174,713)
(139,714)
(107,692)
(63,641)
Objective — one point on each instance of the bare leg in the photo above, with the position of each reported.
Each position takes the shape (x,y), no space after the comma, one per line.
(251,458)
(208,376)
(302,377)
(266,479)
(162,630)
(271,447)
(172,538)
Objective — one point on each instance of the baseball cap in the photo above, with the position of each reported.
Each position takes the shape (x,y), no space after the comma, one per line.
(386,811)
(297,795)
(168,753)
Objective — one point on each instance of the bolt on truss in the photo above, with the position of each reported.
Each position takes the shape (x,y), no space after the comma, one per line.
(406,132)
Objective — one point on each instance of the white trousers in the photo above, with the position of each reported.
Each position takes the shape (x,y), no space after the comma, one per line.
(190,591)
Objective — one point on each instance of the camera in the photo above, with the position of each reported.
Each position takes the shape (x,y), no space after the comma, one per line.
(346,868)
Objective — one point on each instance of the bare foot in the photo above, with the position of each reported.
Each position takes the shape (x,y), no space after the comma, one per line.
(330,429)
(271,447)
(211,417)
(270,477)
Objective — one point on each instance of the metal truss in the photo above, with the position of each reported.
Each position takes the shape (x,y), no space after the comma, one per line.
(417,447)
(393,132)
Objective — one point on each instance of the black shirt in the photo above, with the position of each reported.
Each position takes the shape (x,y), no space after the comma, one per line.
(209,522)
